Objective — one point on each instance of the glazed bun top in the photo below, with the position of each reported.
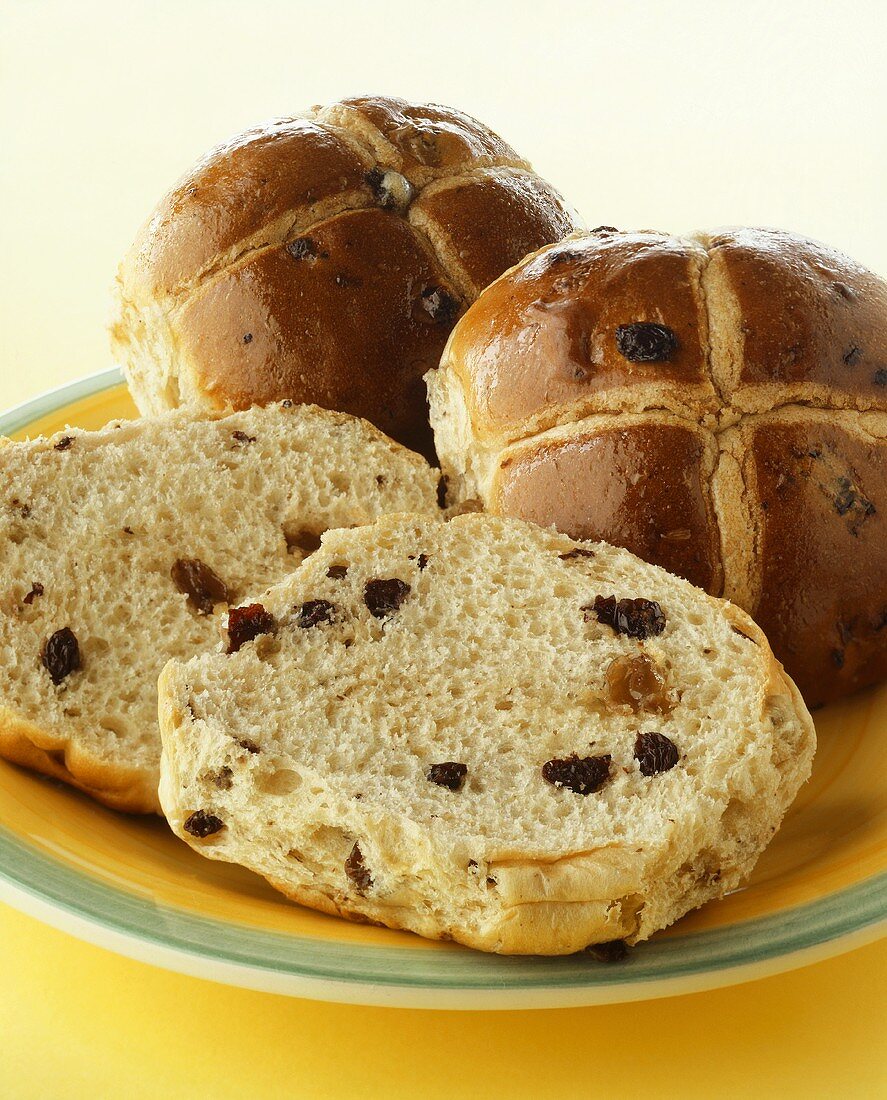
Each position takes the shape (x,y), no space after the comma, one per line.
(710,326)
(325,258)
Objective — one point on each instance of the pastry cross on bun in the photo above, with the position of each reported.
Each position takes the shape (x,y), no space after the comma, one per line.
(715,403)
(325,258)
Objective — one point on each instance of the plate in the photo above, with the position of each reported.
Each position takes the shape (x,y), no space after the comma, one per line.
(129,885)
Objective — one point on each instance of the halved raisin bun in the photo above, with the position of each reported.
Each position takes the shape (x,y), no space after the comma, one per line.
(120,549)
(484,731)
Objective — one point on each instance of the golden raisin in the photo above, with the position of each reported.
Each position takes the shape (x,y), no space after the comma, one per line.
(637,682)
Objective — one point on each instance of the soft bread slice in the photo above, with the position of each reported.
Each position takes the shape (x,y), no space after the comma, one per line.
(91,526)
(314,754)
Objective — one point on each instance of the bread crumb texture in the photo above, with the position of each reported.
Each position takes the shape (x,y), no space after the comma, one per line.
(121,548)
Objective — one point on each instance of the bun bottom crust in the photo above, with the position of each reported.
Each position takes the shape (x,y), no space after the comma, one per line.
(567,926)
(128,790)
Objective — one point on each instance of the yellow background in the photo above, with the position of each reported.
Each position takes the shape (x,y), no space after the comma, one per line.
(674,115)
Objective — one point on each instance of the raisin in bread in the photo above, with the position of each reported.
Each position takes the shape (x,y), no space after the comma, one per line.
(484,731)
(117,547)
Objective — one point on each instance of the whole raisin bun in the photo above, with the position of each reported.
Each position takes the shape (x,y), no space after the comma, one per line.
(715,403)
(325,258)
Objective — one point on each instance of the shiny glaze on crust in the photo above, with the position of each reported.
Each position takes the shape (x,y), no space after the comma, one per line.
(809,315)
(333,326)
(543,338)
(643,486)
(238,188)
(822,500)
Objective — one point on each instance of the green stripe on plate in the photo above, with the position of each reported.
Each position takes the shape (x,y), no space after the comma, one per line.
(449,967)
(20,416)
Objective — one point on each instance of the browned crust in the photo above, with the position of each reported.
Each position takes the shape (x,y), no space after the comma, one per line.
(641,482)
(286,307)
(540,346)
(238,191)
(127,789)
(488,218)
(422,140)
(813,323)
(791,321)
(818,495)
